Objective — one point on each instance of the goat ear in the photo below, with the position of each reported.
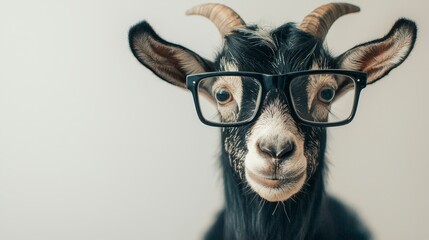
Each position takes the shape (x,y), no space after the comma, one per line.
(377,58)
(168,61)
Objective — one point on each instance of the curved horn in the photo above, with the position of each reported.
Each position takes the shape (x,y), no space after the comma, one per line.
(318,22)
(225,19)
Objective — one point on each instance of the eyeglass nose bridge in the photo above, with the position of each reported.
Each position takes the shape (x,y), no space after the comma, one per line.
(278,82)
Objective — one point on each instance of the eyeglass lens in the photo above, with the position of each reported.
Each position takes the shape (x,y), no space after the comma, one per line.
(318,98)
(229,99)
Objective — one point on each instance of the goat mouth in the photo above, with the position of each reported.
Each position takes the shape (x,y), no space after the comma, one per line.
(275,182)
(276,189)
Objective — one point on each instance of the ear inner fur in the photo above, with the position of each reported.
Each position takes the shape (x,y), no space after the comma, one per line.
(379,57)
(169,61)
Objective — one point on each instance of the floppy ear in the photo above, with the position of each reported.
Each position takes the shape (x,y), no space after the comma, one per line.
(377,58)
(169,61)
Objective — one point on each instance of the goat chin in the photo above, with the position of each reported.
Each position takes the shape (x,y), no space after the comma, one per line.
(275,190)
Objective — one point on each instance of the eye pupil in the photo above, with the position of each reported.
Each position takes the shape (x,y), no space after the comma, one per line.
(327,95)
(223,96)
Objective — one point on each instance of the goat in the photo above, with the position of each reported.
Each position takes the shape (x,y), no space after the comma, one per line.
(273,93)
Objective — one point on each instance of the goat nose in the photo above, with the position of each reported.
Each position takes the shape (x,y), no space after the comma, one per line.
(278,151)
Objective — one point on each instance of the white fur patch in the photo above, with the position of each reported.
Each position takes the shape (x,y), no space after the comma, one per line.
(275,124)
(228,65)
(235,86)
(262,34)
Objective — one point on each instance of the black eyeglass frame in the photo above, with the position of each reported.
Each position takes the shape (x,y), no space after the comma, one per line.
(282,82)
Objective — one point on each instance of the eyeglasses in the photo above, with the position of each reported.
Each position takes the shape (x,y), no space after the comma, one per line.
(322,98)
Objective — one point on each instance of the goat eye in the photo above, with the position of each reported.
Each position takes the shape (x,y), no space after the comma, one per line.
(223,96)
(326,94)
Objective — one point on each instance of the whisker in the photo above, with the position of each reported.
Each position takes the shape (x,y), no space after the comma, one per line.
(253,199)
(284,209)
(263,204)
(275,208)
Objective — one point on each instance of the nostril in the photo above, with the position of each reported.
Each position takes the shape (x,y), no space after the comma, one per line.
(287,150)
(268,149)
(278,151)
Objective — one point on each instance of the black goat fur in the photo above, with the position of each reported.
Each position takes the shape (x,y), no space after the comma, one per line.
(311,213)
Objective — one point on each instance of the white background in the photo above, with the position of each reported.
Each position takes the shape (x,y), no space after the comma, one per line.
(94,146)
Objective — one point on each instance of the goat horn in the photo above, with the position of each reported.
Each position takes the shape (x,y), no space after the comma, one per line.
(225,19)
(318,22)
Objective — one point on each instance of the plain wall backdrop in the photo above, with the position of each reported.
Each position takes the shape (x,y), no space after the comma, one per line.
(95,146)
